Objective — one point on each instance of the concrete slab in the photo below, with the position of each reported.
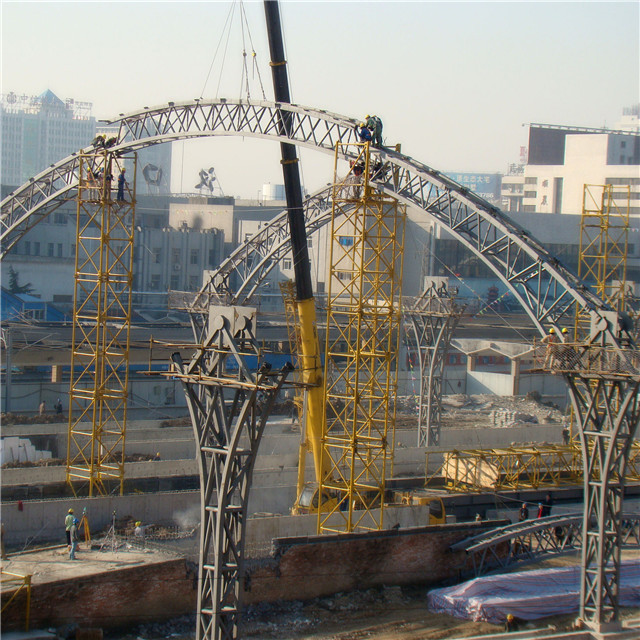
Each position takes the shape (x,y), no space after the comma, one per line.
(53,564)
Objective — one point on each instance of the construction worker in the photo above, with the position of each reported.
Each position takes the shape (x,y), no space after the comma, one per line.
(364,133)
(510,623)
(73,538)
(68,523)
(375,126)
(122,181)
(524,513)
(551,340)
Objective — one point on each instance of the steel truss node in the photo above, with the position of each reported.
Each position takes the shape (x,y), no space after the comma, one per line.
(101,326)
(229,404)
(362,342)
(433,317)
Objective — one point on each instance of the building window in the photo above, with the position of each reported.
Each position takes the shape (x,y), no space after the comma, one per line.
(157,256)
(27,248)
(193,283)
(346,241)
(195,254)
(212,257)
(175,282)
(50,249)
(59,218)
(531,180)
(59,250)
(155,282)
(344,275)
(529,208)
(176,256)
(286,264)
(530,194)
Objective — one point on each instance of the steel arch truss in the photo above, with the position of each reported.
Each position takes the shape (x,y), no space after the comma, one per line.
(229,404)
(433,317)
(528,541)
(547,291)
(608,412)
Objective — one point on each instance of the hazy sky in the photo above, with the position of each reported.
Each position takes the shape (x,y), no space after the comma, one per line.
(453,82)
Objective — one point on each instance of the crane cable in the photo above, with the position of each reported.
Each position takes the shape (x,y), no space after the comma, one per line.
(215,55)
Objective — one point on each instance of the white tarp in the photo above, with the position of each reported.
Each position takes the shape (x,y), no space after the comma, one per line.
(528,595)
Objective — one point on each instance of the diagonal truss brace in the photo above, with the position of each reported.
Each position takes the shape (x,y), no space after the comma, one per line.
(229,404)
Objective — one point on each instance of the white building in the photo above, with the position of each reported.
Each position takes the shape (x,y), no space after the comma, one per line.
(561,160)
(37,131)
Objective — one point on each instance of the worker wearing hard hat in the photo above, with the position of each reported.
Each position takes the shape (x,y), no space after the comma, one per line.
(510,623)
(375,125)
(551,340)
(73,538)
(68,523)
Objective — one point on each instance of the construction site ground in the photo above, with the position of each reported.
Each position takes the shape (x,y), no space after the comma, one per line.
(389,613)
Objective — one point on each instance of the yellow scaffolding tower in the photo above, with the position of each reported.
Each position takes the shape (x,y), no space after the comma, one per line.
(604,239)
(362,343)
(101,324)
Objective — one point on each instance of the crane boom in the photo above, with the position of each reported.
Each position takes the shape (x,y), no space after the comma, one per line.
(310,364)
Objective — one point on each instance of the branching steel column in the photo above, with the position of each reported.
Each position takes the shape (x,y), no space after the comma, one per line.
(434,317)
(229,404)
(608,411)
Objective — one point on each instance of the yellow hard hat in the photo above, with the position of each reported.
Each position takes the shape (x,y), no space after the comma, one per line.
(510,617)
(552,330)
(367,116)
(70,510)
(565,330)
(138,523)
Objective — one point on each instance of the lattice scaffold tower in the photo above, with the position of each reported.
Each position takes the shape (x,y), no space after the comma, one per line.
(101,324)
(604,245)
(433,318)
(229,403)
(362,343)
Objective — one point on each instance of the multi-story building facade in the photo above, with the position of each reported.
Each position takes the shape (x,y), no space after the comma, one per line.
(37,131)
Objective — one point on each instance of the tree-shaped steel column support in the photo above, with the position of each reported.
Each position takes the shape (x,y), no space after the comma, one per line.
(433,317)
(608,411)
(229,404)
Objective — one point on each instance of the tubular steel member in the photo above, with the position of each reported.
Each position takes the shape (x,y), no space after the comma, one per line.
(229,404)
(433,317)
(309,357)
(98,387)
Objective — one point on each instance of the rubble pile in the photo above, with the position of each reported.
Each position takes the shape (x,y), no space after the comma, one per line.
(464,411)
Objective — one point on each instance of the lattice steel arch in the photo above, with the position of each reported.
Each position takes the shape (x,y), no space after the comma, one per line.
(545,288)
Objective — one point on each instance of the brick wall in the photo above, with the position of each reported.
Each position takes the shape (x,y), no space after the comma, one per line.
(112,599)
(308,567)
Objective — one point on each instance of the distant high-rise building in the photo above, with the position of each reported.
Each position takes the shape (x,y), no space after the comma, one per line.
(38,131)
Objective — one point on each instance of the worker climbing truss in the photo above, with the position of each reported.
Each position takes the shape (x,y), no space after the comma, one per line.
(101,325)
(229,403)
(362,342)
(433,318)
